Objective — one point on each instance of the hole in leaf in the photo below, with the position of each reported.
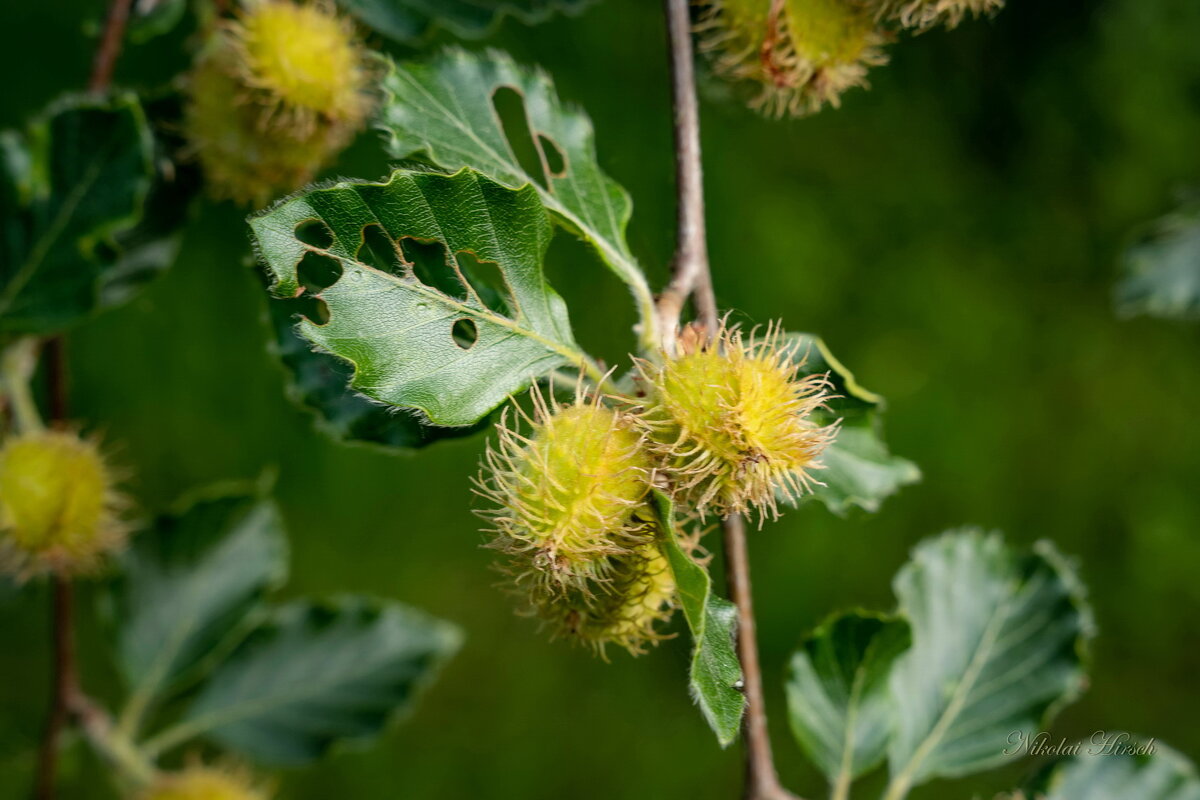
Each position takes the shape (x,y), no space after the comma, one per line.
(486,280)
(465,334)
(510,109)
(315,233)
(309,307)
(317,271)
(379,251)
(556,162)
(427,260)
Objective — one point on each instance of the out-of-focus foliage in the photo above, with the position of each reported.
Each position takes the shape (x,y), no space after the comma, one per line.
(71,187)
(412,21)
(1162,270)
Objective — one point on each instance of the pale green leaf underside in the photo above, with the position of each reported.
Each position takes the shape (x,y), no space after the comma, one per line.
(858,468)
(410,21)
(316,674)
(1162,271)
(189,583)
(443,110)
(837,692)
(998,645)
(70,187)
(716,674)
(398,331)
(1100,773)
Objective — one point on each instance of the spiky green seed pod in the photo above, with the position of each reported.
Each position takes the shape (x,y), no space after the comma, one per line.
(205,783)
(59,511)
(565,494)
(731,421)
(921,15)
(275,95)
(624,610)
(799,54)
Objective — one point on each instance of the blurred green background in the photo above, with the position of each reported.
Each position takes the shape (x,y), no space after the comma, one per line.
(953,235)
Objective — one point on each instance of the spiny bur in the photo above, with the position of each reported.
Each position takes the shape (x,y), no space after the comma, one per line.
(564,494)
(800,55)
(205,783)
(624,609)
(275,94)
(59,511)
(921,15)
(732,423)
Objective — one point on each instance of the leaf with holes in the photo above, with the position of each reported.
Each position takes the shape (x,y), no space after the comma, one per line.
(189,584)
(715,674)
(72,192)
(998,645)
(445,111)
(444,347)
(859,470)
(313,675)
(838,695)
(317,382)
(1117,766)
(411,21)
(1162,270)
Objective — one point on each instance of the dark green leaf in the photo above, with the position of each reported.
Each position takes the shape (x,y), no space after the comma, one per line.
(72,190)
(859,470)
(837,692)
(410,21)
(1162,270)
(314,675)
(716,675)
(998,646)
(189,584)
(401,333)
(317,381)
(443,111)
(1116,766)
(150,247)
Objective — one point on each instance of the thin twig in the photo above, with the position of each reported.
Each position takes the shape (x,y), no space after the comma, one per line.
(56,379)
(110,45)
(689,271)
(64,685)
(762,781)
(690,276)
(65,681)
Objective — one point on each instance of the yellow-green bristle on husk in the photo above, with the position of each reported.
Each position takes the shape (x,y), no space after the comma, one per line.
(564,492)
(732,423)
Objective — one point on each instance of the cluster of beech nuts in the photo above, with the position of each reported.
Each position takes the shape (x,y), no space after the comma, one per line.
(722,427)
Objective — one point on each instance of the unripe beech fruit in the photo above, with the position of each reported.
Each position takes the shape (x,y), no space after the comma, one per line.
(799,54)
(59,511)
(732,422)
(924,14)
(624,609)
(565,494)
(274,95)
(204,783)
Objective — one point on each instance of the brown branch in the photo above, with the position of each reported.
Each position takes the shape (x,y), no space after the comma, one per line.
(110,45)
(762,781)
(63,688)
(56,379)
(690,276)
(689,271)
